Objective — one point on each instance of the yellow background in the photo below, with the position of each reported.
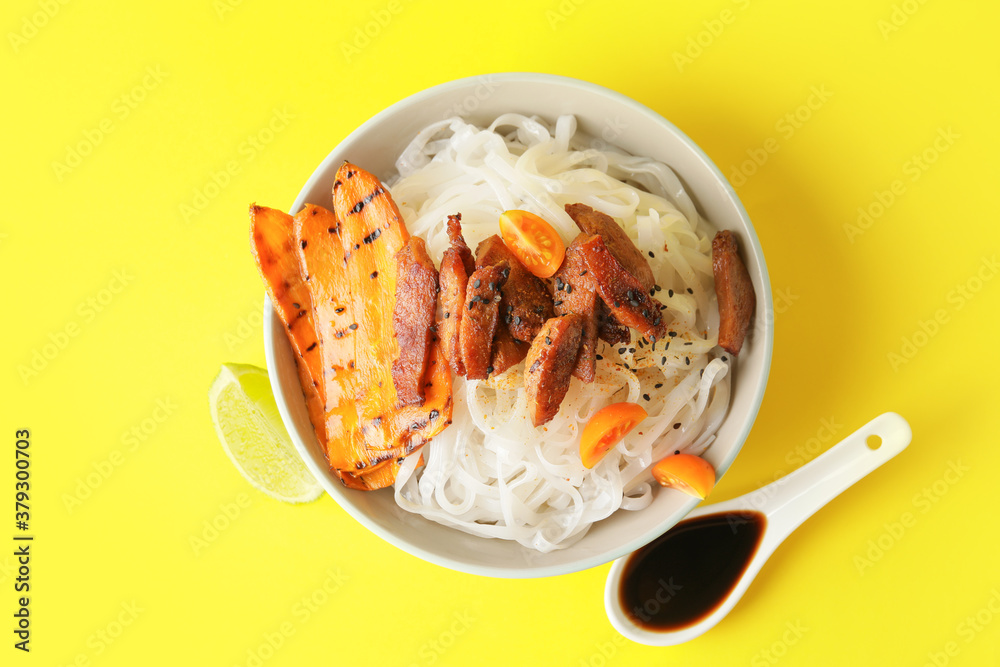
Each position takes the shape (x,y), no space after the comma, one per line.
(133,303)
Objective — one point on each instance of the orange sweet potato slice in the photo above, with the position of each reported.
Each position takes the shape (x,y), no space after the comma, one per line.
(372,232)
(272,244)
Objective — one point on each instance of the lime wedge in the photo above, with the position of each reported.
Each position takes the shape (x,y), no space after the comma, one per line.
(250,429)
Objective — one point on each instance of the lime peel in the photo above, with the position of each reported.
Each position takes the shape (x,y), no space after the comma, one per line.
(249,427)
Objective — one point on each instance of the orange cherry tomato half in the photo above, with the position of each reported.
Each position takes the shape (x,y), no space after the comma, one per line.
(606,429)
(686,472)
(534,242)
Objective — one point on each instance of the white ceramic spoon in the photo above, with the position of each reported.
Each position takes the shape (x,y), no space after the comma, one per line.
(785,503)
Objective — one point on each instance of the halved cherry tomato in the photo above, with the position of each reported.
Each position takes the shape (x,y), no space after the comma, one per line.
(533,241)
(686,472)
(606,429)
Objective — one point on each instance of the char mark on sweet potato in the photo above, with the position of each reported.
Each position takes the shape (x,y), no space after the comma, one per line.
(526,303)
(734,290)
(479,319)
(625,296)
(619,244)
(576,293)
(413,319)
(459,244)
(507,351)
(549,366)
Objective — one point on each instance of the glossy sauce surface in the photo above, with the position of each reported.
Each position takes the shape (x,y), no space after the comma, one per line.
(684,575)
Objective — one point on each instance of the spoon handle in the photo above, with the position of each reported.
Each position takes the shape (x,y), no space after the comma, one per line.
(795,497)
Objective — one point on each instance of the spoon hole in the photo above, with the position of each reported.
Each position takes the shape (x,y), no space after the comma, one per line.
(873,442)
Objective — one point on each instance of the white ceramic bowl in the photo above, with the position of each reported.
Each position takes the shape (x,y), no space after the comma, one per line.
(627,124)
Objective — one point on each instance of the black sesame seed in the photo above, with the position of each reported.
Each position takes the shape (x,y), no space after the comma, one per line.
(672,334)
(304,244)
(652,291)
(651,254)
(677,425)
(489,370)
(477,283)
(517,320)
(621,350)
(339,310)
(353,327)
(548,341)
(599,357)
(470,305)
(657,288)
(677,451)
(569,288)
(311,347)
(374,275)
(631,350)
(617,304)
(670,293)
(687,361)
(492,286)
(557,303)
(657,385)
(645,313)
(690,291)
(584,272)
(663,360)
(633,302)
(447,315)
(646,396)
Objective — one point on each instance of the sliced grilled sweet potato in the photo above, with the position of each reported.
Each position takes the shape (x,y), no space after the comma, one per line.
(314,406)
(317,243)
(413,319)
(479,319)
(321,255)
(526,302)
(625,296)
(734,290)
(372,232)
(457,264)
(575,292)
(272,244)
(549,366)
(412,426)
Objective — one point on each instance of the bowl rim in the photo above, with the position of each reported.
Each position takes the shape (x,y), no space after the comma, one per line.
(588,562)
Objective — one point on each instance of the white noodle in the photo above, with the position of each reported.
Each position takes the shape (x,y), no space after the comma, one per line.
(491,473)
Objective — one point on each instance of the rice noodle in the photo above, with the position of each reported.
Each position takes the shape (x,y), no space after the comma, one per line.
(491,473)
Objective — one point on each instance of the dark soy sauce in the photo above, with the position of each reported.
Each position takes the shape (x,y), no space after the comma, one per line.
(684,575)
